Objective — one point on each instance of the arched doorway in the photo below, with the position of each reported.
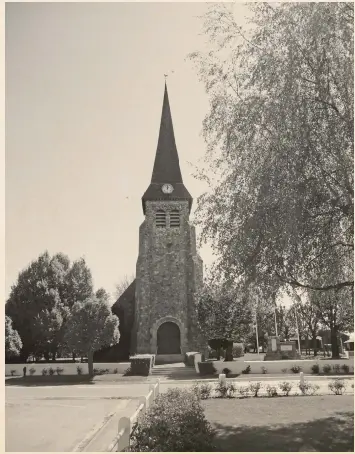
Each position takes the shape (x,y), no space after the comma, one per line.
(168,339)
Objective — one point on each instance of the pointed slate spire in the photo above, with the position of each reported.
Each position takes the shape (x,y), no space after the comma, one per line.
(166,165)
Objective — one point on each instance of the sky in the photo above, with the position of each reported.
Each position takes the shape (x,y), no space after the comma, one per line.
(84,92)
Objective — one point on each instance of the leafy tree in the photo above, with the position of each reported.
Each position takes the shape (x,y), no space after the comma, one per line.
(280,143)
(13,342)
(101,294)
(223,316)
(91,326)
(336,312)
(45,287)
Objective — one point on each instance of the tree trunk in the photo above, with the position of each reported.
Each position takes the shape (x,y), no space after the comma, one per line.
(229,352)
(334,342)
(218,353)
(46,356)
(91,363)
(73,355)
(315,349)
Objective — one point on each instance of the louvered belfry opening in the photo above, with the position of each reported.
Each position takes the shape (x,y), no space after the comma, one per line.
(175,219)
(160,218)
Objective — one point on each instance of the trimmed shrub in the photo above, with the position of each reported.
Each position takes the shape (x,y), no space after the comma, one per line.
(284,370)
(296,369)
(238,350)
(115,370)
(315,369)
(243,390)
(264,370)
(286,387)
(141,365)
(308,389)
(12,372)
(336,368)
(189,359)
(327,368)
(226,371)
(206,368)
(32,371)
(227,390)
(51,371)
(255,388)
(337,386)
(59,370)
(345,368)
(246,370)
(44,371)
(174,422)
(271,391)
(79,370)
(202,391)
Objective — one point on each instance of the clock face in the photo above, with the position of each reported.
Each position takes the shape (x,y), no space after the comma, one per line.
(167,188)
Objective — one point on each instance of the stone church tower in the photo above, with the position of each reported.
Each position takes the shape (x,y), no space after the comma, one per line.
(169,269)
(157,311)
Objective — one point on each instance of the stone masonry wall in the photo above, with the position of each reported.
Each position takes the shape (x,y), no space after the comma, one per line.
(168,270)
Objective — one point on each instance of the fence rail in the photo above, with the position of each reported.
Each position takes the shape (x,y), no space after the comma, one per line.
(126,426)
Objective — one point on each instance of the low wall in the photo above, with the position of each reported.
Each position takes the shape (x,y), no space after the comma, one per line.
(275,367)
(68,368)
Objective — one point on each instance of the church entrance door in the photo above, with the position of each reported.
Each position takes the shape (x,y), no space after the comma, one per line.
(168,339)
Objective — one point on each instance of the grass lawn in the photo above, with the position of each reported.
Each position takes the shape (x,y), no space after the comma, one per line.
(314,423)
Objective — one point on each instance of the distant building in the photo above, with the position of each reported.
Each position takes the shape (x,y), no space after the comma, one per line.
(157,311)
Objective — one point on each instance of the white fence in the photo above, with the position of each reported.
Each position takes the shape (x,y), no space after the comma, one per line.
(126,425)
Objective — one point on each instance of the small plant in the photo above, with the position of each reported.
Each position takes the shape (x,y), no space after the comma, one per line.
(59,370)
(315,369)
(44,371)
(255,388)
(79,370)
(286,387)
(227,390)
(96,371)
(12,372)
(246,370)
(264,370)
(296,369)
(202,391)
(243,390)
(345,368)
(115,370)
(51,371)
(308,389)
(336,368)
(352,385)
(32,371)
(337,386)
(327,368)
(271,391)
(226,371)
(284,370)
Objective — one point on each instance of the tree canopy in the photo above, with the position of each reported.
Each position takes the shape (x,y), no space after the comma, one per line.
(280,144)
(13,342)
(40,301)
(91,327)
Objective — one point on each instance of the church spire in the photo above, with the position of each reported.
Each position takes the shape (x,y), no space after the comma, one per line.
(166,168)
(166,165)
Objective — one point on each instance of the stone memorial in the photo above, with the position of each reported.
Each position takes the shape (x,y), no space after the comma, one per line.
(278,350)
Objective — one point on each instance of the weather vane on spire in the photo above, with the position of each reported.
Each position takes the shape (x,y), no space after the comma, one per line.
(166,75)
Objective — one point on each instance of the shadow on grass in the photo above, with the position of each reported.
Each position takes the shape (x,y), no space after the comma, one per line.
(330,434)
(53,380)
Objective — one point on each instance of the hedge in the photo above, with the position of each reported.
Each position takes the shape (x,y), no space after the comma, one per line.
(142,364)
(206,368)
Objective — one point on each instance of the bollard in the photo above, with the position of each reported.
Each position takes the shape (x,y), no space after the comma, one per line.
(222,379)
(301,378)
(24,371)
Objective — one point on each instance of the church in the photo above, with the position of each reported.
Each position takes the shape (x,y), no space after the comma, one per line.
(157,311)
